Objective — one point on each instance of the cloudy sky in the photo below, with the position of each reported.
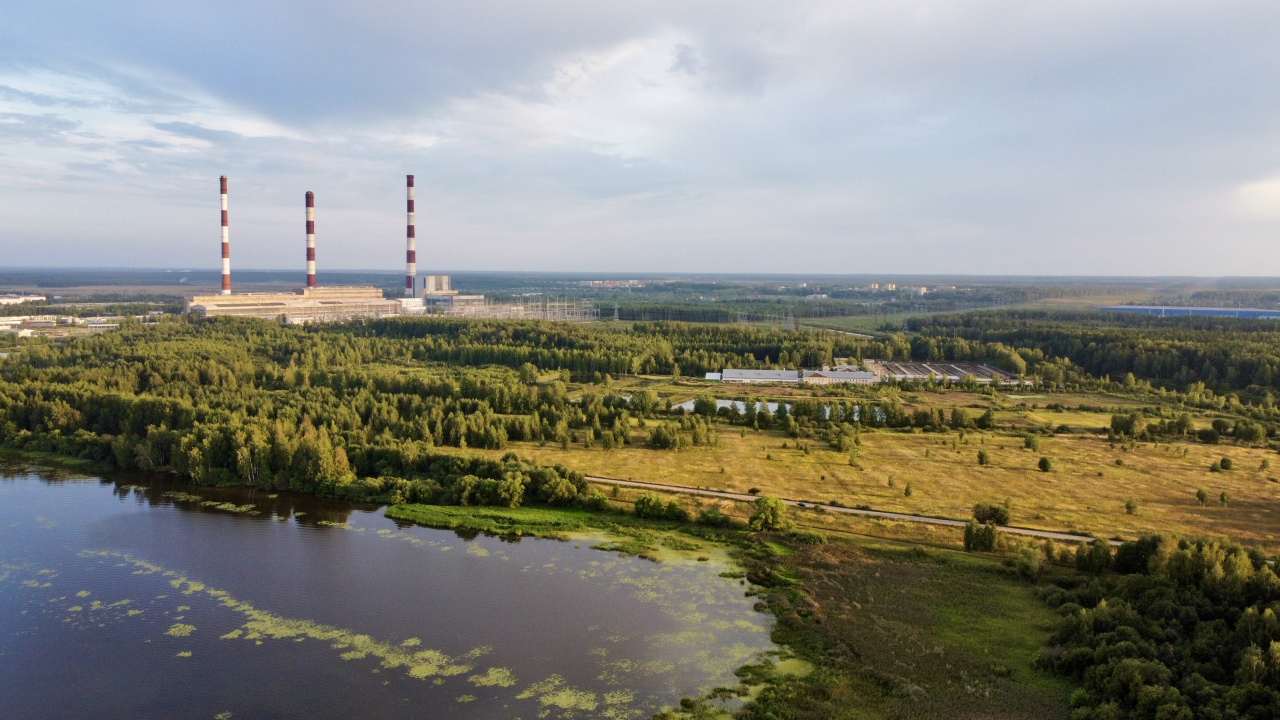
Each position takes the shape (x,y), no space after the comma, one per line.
(986,136)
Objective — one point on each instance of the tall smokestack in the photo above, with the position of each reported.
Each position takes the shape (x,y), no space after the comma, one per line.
(410,244)
(226,243)
(311,239)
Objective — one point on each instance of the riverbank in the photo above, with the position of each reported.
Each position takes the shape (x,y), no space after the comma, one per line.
(889,628)
(872,628)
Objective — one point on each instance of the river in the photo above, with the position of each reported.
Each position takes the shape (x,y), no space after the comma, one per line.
(130,597)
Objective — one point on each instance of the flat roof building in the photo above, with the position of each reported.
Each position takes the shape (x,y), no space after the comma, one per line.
(18,299)
(1176,311)
(760,376)
(837,376)
(316,304)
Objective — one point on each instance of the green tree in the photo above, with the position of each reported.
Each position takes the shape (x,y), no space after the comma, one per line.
(649,505)
(1094,558)
(529,374)
(1045,464)
(770,514)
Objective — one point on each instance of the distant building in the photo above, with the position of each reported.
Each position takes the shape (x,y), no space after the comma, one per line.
(759,376)
(1174,311)
(453,300)
(833,377)
(713,377)
(317,304)
(434,285)
(19,299)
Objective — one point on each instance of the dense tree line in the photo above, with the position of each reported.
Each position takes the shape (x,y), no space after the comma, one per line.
(1188,353)
(1189,631)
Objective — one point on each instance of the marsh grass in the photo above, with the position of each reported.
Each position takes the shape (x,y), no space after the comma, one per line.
(901,631)
(1087,490)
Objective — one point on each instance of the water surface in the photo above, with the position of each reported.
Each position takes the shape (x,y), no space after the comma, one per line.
(123,599)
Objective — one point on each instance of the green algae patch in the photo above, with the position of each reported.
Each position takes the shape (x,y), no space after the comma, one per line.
(262,625)
(495,677)
(534,522)
(554,692)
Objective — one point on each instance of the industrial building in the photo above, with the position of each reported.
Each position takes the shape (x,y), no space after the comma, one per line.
(423,294)
(1175,311)
(759,376)
(939,371)
(875,372)
(19,299)
(840,375)
(312,303)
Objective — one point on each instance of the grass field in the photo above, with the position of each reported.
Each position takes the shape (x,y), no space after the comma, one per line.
(1086,491)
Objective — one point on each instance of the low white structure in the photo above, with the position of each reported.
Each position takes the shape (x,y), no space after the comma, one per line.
(837,376)
(19,299)
(713,377)
(760,376)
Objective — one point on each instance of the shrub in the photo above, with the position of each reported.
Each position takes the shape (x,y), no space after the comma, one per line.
(1226,463)
(714,518)
(980,538)
(595,500)
(1027,564)
(1125,423)
(1247,431)
(1045,465)
(1131,506)
(809,538)
(983,458)
(1208,436)
(1031,442)
(1225,497)
(1202,496)
(649,505)
(675,512)
(991,514)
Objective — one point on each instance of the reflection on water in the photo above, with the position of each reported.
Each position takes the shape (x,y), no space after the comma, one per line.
(133,598)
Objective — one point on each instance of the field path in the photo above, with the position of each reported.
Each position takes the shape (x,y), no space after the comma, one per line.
(1031,532)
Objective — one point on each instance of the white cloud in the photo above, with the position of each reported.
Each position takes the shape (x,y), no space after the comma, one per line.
(1260,198)
(928,135)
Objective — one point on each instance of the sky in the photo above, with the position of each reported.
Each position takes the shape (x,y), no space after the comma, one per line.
(1116,137)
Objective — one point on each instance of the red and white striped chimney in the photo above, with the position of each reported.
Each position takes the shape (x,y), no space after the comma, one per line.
(410,244)
(311,239)
(226,243)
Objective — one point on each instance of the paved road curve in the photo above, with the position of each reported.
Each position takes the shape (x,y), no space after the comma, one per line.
(844,510)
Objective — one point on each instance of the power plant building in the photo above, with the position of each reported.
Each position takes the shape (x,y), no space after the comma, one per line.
(313,304)
(423,294)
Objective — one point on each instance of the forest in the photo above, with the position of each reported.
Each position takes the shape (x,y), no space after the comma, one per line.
(1184,630)
(1221,354)
(362,409)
